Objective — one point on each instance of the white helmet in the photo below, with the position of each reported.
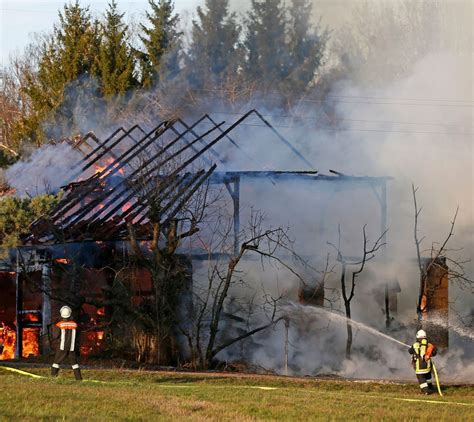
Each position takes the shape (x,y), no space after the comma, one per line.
(421,334)
(65,312)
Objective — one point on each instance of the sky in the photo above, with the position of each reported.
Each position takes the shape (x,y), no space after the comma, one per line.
(19,19)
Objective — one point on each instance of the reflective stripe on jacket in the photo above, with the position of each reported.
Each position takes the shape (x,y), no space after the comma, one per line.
(68,334)
(421,351)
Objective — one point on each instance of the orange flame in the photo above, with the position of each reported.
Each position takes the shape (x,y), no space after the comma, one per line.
(92,342)
(30,342)
(8,339)
(31,317)
(64,261)
(126,207)
(108,161)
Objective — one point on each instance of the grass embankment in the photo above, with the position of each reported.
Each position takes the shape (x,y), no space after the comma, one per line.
(135,395)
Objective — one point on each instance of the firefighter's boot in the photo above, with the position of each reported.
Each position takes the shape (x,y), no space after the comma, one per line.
(77,372)
(54,370)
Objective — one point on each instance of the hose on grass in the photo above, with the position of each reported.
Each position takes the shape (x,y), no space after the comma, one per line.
(436,377)
(19,371)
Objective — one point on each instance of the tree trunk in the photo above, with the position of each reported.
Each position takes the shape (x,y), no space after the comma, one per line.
(349,330)
(152,348)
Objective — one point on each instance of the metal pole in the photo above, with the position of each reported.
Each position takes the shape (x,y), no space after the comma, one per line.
(19,309)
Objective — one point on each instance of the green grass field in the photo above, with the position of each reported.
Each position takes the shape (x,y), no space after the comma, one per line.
(134,395)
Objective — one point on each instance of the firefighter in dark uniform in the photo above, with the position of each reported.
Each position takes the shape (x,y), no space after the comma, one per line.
(68,340)
(421,352)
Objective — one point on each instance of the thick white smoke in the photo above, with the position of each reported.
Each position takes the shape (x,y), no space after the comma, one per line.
(45,170)
(415,128)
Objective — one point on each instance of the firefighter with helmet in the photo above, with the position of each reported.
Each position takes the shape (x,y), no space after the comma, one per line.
(421,352)
(68,343)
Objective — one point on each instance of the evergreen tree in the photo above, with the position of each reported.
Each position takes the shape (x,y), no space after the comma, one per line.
(306,45)
(214,54)
(162,42)
(116,59)
(77,42)
(70,53)
(16,215)
(265,42)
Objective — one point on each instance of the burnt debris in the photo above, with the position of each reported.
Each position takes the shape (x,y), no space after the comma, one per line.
(122,178)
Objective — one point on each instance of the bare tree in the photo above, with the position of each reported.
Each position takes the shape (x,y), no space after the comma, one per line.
(348,291)
(438,252)
(205,336)
(169,272)
(9,112)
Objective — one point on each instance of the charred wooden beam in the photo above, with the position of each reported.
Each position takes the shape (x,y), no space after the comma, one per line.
(157,167)
(226,136)
(283,139)
(212,150)
(182,190)
(96,227)
(217,139)
(170,184)
(69,203)
(98,142)
(188,195)
(118,190)
(187,142)
(132,193)
(95,155)
(109,148)
(92,183)
(126,157)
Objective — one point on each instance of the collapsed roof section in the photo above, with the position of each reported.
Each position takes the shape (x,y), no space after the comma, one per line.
(136,171)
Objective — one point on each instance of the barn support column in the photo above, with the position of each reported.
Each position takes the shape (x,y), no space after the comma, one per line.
(19,309)
(389,284)
(383,230)
(46,309)
(235,195)
(383,217)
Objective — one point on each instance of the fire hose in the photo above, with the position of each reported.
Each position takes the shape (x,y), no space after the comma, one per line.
(19,371)
(436,377)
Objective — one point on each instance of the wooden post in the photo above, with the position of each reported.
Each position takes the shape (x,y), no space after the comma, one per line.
(287,329)
(236,200)
(46,309)
(383,230)
(435,302)
(19,309)
(387,307)
(383,217)
(235,195)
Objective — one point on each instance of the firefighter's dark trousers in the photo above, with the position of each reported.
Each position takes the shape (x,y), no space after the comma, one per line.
(425,382)
(66,355)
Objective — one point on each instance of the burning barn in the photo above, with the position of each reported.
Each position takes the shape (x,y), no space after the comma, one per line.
(130,193)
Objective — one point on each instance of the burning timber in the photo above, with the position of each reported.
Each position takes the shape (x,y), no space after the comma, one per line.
(173,160)
(137,177)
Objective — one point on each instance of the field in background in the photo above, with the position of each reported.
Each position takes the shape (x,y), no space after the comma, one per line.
(136,395)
